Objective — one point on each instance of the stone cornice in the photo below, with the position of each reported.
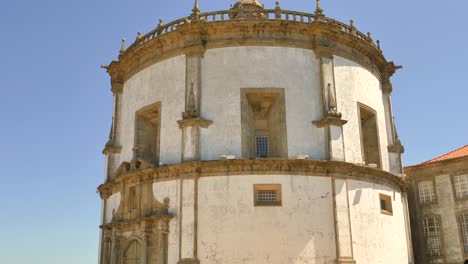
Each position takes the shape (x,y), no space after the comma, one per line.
(164,216)
(255,167)
(196,37)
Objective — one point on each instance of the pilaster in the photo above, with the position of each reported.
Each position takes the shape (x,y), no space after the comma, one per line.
(163,232)
(343,233)
(188,222)
(191,122)
(332,121)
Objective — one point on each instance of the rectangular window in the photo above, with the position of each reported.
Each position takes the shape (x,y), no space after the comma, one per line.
(431,227)
(386,204)
(267,194)
(262,148)
(147,133)
(426,192)
(461,186)
(263,123)
(464,231)
(369,136)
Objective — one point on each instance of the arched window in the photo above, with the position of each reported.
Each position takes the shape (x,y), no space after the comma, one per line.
(133,253)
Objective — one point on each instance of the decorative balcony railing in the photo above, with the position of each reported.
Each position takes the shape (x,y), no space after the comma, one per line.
(268,14)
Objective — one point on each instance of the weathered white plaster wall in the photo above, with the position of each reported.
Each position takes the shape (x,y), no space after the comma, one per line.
(354,84)
(377,237)
(162,82)
(112,205)
(171,189)
(226,70)
(233,230)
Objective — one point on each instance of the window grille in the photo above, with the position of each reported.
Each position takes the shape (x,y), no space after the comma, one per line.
(431,227)
(262,148)
(426,192)
(464,231)
(461,186)
(267,194)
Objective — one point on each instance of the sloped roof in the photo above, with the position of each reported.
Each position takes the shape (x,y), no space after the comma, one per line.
(456,154)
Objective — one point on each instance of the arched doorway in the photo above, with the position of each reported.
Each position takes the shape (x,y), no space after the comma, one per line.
(133,253)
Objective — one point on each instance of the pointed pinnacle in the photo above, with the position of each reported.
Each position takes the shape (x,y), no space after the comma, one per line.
(196,7)
(123,48)
(319,10)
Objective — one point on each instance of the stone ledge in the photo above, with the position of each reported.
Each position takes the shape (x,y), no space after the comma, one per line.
(189,261)
(240,167)
(328,121)
(197,121)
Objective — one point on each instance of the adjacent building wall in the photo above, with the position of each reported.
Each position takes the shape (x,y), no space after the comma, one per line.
(446,207)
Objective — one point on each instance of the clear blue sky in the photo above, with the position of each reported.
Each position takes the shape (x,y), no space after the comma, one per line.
(55,105)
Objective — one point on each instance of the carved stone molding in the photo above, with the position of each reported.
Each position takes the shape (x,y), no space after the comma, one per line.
(189,261)
(387,88)
(194,122)
(239,167)
(111,149)
(345,261)
(396,148)
(330,120)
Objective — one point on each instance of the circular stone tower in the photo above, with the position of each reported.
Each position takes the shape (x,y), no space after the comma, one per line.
(256,136)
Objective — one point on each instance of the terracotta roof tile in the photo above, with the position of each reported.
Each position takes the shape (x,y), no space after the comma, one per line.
(456,154)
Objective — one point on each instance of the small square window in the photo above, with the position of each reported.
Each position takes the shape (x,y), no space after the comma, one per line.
(262,147)
(267,194)
(386,204)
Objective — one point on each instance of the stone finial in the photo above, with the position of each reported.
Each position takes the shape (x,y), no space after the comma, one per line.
(123,47)
(378,45)
(369,36)
(195,10)
(138,36)
(161,23)
(319,10)
(277,10)
(351,24)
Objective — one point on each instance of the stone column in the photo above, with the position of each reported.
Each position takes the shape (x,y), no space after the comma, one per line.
(332,121)
(343,234)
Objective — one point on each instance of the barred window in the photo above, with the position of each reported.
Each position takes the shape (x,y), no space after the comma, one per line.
(262,149)
(267,194)
(464,231)
(431,227)
(426,192)
(461,186)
